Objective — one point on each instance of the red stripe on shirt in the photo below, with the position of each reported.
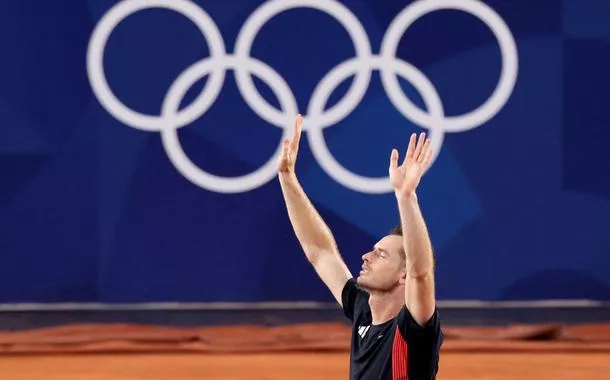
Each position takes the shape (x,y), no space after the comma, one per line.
(399,357)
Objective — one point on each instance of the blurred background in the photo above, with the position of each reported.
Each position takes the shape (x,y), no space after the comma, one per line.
(104,221)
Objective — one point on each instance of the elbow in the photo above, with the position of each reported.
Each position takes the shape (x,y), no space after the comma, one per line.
(421,275)
(421,268)
(312,256)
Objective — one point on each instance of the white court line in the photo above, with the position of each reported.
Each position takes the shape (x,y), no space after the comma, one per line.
(303,305)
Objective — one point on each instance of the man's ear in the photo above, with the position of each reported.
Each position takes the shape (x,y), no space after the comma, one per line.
(403,277)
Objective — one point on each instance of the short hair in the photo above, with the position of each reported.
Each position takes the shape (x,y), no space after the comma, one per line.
(397,230)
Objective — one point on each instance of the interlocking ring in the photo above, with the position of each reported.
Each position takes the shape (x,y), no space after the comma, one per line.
(317,117)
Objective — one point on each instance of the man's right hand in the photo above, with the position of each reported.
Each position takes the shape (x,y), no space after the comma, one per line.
(291,148)
(313,234)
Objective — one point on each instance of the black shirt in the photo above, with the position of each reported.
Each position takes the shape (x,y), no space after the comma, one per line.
(396,349)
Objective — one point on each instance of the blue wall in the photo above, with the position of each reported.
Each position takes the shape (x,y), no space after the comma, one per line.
(92,209)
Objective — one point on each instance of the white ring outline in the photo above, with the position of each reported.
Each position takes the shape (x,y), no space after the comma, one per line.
(508,75)
(317,141)
(171,142)
(339,12)
(97,75)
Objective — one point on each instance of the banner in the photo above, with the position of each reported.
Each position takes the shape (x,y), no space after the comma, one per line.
(139,144)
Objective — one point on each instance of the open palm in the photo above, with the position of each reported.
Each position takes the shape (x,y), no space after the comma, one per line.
(291,148)
(406,177)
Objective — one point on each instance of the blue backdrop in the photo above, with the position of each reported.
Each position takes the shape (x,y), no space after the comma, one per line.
(92,209)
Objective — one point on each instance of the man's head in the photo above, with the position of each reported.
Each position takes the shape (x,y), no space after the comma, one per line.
(383,268)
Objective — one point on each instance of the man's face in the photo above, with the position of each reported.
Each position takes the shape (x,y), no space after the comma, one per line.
(383,268)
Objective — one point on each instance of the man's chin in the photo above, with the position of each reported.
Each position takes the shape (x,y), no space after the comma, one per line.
(361,281)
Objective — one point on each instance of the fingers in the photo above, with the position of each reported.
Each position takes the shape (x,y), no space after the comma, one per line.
(286,150)
(298,127)
(285,158)
(424,151)
(419,147)
(411,148)
(290,147)
(394,159)
(427,158)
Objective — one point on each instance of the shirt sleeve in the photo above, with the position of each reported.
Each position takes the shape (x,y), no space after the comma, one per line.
(412,332)
(423,342)
(353,299)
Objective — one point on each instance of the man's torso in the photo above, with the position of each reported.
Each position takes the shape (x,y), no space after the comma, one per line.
(396,349)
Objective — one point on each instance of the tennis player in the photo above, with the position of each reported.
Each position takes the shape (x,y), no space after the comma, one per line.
(396,330)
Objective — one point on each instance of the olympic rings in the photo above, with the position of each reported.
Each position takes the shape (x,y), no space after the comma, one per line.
(316,117)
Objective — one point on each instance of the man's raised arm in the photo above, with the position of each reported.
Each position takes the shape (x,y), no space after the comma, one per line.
(419,286)
(313,234)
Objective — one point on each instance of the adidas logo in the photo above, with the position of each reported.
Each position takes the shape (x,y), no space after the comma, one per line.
(362,330)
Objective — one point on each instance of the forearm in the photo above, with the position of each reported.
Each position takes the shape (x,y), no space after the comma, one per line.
(416,241)
(312,232)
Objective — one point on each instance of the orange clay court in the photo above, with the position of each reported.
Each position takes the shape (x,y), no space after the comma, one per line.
(300,351)
(454,366)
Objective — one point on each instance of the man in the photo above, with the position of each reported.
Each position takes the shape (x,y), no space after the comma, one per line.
(396,330)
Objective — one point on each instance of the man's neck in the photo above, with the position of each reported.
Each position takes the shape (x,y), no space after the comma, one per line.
(385,306)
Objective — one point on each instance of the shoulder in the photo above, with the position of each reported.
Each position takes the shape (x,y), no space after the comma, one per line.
(354,299)
(423,343)
(412,331)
